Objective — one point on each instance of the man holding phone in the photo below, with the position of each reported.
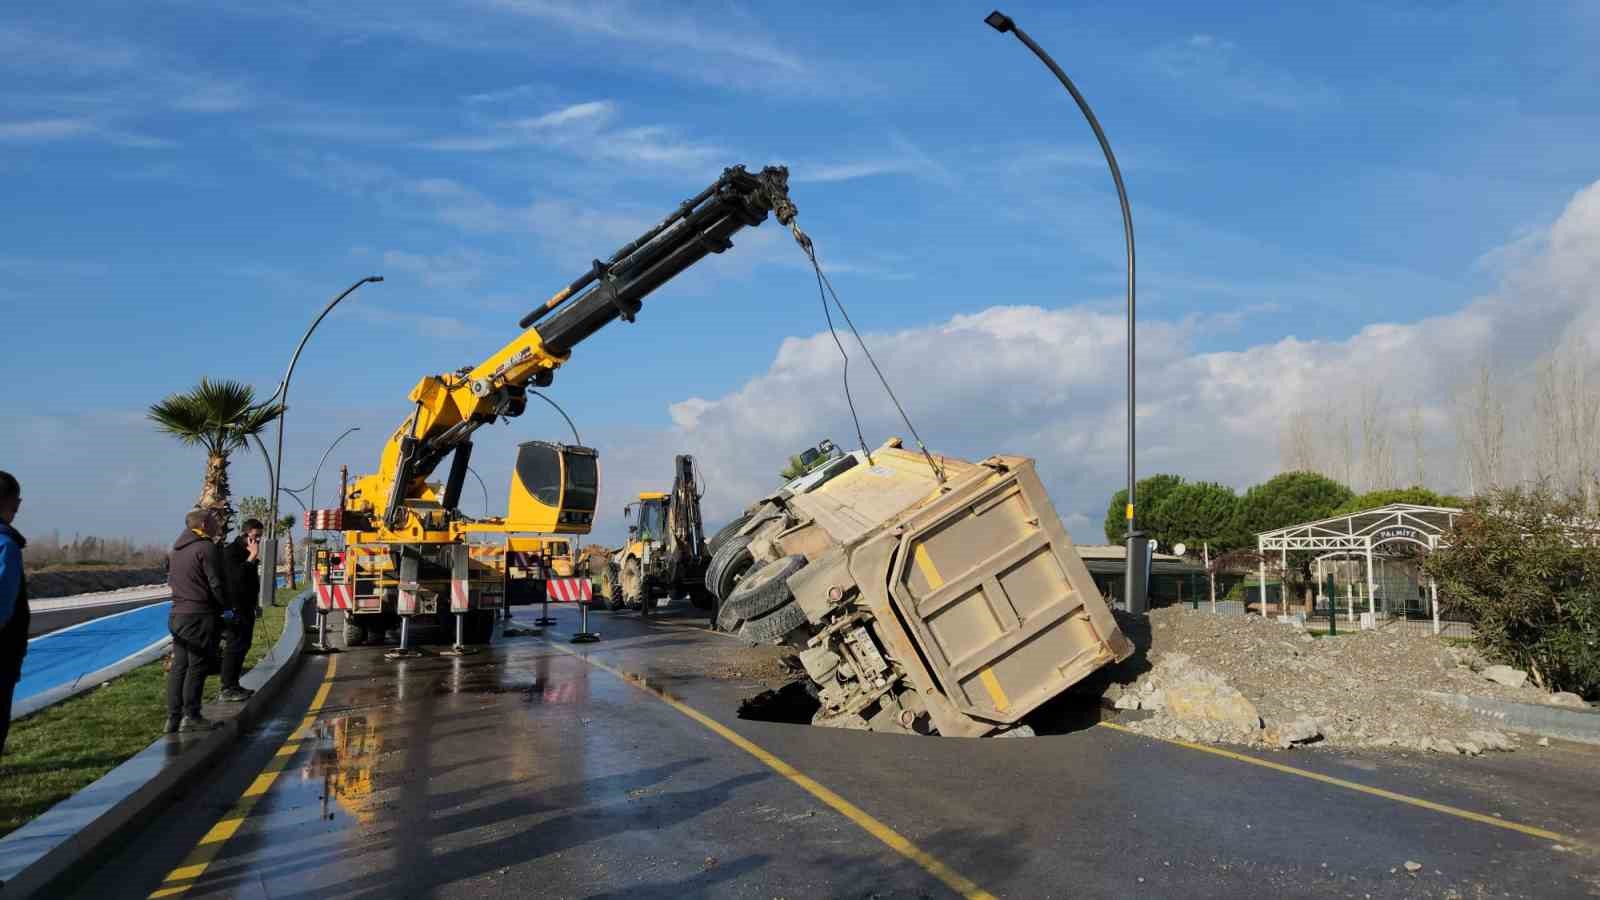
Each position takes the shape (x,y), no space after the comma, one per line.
(239,617)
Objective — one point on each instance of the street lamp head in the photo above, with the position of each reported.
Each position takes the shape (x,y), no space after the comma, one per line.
(373,278)
(999,21)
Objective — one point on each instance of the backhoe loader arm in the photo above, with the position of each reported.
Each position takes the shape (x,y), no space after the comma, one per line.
(449,408)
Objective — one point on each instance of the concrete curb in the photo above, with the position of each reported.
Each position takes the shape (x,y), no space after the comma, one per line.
(1535,718)
(35,857)
(90,680)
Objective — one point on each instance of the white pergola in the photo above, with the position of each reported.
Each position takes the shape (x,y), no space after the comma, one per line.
(1361,533)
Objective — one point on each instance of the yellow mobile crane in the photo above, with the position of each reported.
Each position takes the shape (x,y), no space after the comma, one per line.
(406,541)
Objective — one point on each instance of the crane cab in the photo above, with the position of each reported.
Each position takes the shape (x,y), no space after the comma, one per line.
(554,488)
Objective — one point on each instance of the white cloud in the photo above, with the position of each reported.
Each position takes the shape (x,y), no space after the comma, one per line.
(1048,383)
(585,131)
(1213,68)
(40,130)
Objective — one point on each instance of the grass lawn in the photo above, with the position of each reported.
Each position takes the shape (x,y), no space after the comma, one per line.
(65,747)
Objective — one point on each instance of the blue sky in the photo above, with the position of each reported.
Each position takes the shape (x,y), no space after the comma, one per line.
(187,183)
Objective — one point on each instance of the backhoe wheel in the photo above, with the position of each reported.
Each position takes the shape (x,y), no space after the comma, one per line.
(354,634)
(760,592)
(721,537)
(632,583)
(772,627)
(611,587)
(728,566)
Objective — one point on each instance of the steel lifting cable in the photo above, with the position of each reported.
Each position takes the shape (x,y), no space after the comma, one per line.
(804,240)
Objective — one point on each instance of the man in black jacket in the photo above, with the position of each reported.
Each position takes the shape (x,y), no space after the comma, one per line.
(13,601)
(243,558)
(199,597)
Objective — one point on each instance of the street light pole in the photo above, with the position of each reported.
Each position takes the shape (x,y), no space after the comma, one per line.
(325,459)
(270,559)
(1137,567)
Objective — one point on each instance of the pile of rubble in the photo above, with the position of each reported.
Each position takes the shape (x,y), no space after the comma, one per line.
(1244,680)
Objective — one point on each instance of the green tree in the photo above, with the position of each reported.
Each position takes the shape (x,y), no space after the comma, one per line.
(220,416)
(1151,491)
(1289,499)
(1199,512)
(1524,568)
(793,470)
(1419,496)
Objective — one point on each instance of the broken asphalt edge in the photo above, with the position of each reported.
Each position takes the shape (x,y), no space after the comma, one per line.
(35,858)
(1565,723)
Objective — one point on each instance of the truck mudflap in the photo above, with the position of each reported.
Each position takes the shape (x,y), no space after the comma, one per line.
(1001,607)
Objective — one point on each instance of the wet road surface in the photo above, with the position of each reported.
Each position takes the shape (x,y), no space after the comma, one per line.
(525,771)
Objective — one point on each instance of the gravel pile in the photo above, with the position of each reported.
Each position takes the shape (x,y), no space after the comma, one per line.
(1241,679)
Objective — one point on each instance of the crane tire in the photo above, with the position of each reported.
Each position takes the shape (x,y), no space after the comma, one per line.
(762,590)
(772,627)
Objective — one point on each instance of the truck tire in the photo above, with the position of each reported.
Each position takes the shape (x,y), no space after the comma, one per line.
(728,566)
(771,628)
(721,537)
(760,592)
(354,635)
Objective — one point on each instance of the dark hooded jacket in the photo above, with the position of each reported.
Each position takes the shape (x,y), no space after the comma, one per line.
(244,577)
(14,634)
(195,576)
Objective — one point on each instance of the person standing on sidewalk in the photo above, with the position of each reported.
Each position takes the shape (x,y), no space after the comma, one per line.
(14,613)
(199,601)
(244,589)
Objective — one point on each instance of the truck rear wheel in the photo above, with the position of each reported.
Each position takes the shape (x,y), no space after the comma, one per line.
(760,592)
(728,566)
(772,627)
(721,537)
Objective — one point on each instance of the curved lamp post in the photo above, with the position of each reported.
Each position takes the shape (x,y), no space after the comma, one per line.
(1134,587)
(485,490)
(324,459)
(275,461)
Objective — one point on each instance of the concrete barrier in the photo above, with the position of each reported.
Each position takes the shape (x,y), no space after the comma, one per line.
(1561,722)
(36,859)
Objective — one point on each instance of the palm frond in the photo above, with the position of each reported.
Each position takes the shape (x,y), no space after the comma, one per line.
(217,414)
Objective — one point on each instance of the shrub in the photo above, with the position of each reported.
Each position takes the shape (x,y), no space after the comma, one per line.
(1524,567)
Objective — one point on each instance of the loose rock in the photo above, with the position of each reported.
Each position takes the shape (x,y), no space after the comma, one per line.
(1566,698)
(1506,675)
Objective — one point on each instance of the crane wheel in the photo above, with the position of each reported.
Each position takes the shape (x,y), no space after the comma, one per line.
(354,635)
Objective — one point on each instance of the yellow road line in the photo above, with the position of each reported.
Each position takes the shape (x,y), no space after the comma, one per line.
(180,880)
(895,841)
(1366,789)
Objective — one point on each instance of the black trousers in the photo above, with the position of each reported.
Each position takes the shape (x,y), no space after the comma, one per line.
(236,638)
(194,648)
(8,685)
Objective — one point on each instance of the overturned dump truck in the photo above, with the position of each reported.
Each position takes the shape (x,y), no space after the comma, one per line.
(919,605)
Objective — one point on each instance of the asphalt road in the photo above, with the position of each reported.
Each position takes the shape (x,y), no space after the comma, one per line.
(527,771)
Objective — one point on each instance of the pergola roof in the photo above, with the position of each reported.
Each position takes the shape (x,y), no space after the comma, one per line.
(1407,523)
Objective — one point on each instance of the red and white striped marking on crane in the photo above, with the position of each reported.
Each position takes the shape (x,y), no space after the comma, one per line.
(569,590)
(330,596)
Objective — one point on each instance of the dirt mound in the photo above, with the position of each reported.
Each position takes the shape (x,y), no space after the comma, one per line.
(1242,679)
(67,582)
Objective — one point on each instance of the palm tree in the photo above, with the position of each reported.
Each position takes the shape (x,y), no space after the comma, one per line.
(220,416)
